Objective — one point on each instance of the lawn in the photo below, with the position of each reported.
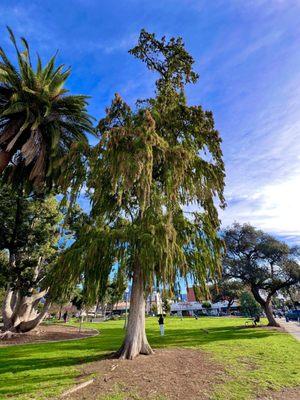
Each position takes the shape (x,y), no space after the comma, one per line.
(255,359)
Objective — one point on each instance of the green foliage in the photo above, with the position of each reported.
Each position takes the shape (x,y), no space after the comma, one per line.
(260,260)
(77,298)
(166,305)
(29,233)
(115,289)
(198,293)
(42,128)
(33,232)
(149,164)
(226,290)
(249,307)
(206,304)
(154,308)
(3,268)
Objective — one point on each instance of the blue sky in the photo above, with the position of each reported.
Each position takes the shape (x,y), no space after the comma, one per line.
(247,54)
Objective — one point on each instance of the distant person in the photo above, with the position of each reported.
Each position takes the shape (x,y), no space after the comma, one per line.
(65,316)
(256,320)
(161,325)
(287,318)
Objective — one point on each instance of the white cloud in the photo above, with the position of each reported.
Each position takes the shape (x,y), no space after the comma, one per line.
(273,208)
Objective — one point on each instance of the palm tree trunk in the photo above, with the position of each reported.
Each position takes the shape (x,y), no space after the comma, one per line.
(5,158)
(136,341)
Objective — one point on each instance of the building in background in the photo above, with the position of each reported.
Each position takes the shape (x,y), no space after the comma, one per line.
(191,307)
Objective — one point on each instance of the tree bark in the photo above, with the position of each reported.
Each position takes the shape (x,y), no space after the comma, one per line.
(22,316)
(26,326)
(266,305)
(5,158)
(269,313)
(7,309)
(136,341)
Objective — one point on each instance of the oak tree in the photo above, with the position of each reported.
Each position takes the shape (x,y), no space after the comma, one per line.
(262,262)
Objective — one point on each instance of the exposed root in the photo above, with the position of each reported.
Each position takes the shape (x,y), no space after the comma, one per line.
(9,335)
(131,350)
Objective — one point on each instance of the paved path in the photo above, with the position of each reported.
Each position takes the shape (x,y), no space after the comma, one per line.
(291,327)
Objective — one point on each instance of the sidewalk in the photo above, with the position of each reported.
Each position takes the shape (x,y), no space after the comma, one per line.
(291,327)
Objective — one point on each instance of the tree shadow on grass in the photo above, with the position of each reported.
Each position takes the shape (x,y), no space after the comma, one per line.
(198,337)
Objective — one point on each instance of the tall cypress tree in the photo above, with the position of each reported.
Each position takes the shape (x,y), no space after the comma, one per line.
(150,164)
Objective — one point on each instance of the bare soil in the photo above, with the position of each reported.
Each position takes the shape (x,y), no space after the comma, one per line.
(169,374)
(45,333)
(284,394)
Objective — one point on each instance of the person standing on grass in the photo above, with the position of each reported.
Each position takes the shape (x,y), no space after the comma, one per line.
(161,325)
(65,317)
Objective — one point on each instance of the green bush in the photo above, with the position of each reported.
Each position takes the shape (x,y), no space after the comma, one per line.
(249,306)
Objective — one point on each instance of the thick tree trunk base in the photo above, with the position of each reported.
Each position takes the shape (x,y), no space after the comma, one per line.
(269,314)
(136,342)
(129,351)
(274,324)
(9,335)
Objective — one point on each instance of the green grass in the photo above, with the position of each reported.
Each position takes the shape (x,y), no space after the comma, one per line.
(256,359)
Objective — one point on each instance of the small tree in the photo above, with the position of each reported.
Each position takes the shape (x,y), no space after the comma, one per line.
(206,305)
(262,262)
(149,164)
(226,290)
(249,306)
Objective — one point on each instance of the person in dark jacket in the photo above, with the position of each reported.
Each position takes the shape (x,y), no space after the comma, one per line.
(161,325)
(65,316)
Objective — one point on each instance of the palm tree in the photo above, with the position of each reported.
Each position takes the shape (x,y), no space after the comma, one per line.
(39,122)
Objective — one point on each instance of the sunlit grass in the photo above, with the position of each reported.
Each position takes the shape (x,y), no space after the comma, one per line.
(255,359)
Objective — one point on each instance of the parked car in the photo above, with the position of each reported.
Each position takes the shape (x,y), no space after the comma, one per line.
(293,315)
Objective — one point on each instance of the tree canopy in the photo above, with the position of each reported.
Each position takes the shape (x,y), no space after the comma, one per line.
(226,290)
(151,163)
(261,261)
(32,236)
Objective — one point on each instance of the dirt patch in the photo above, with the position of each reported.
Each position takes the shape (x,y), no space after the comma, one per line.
(168,374)
(264,327)
(45,333)
(284,394)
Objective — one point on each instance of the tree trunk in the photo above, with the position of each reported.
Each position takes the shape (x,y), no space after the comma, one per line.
(22,316)
(266,305)
(269,313)
(26,326)
(135,341)
(60,312)
(104,308)
(7,309)
(230,302)
(5,158)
